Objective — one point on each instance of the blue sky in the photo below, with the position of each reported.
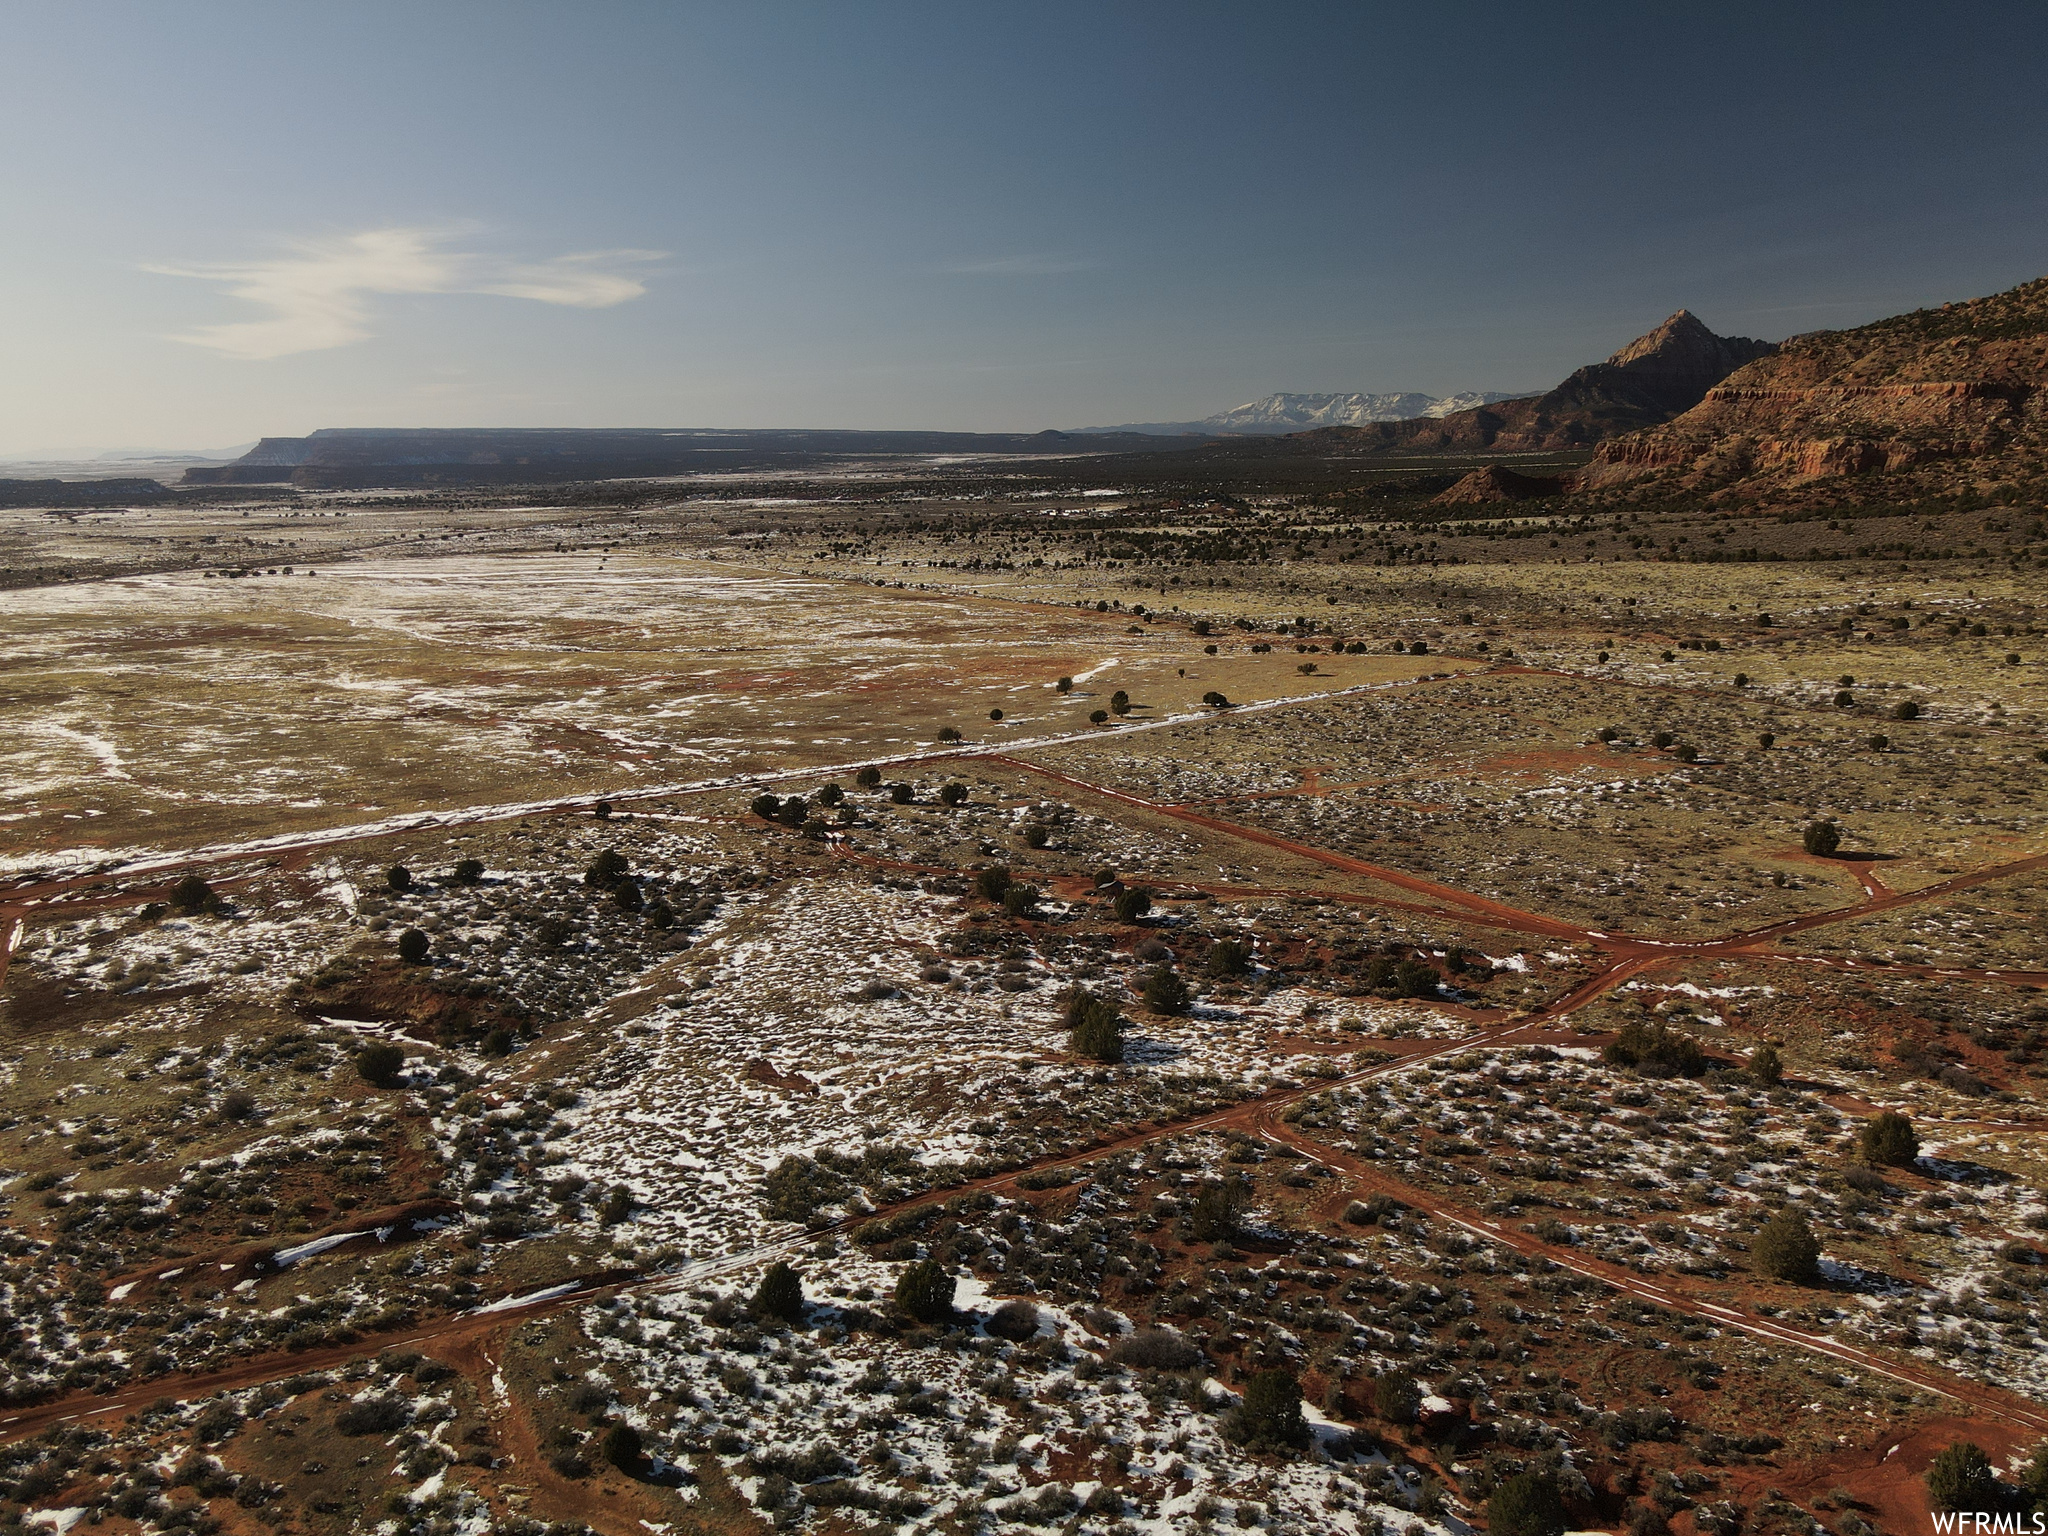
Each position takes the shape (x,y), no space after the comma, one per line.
(219,221)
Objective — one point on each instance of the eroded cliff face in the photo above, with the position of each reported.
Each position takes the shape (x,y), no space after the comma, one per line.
(1963,382)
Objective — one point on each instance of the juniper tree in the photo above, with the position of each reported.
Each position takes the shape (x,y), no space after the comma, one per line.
(1785,1249)
(924,1291)
(1164,991)
(1094,1026)
(1889,1138)
(1268,1418)
(780,1295)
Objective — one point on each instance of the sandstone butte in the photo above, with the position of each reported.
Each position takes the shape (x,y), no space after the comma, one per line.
(1954,386)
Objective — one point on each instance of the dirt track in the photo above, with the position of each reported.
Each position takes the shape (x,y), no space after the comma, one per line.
(1629,956)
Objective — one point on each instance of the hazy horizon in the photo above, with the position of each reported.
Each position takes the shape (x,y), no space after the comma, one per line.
(232,221)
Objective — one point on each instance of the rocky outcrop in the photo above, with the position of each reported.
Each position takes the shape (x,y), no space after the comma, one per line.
(1496,482)
(1649,381)
(1962,382)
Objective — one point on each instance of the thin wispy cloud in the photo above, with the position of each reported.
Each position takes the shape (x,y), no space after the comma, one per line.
(321,293)
(1018,266)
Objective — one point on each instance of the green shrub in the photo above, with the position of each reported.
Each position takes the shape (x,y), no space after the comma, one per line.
(1888,1138)
(1229,957)
(924,1291)
(990,883)
(1020,900)
(1213,1216)
(191,894)
(868,777)
(1961,1478)
(1656,1049)
(1765,1066)
(610,866)
(621,1446)
(1526,1504)
(469,871)
(1132,904)
(398,877)
(1164,991)
(780,1295)
(1094,1026)
(413,946)
(1396,1398)
(953,794)
(901,794)
(1098,716)
(1786,1249)
(379,1064)
(1268,1418)
(1036,834)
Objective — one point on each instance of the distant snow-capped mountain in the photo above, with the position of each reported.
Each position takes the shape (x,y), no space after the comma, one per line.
(1297,413)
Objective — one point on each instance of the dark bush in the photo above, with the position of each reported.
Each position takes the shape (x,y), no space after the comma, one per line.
(1020,900)
(1156,1349)
(380,1064)
(1907,710)
(990,883)
(1268,1418)
(191,894)
(902,794)
(379,1415)
(1094,1025)
(953,794)
(995,714)
(780,1295)
(626,896)
(413,946)
(621,1447)
(1164,991)
(1786,1249)
(1213,1216)
(1098,717)
(1229,957)
(1765,1066)
(1655,1049)
(1888,1138)
(868,777)
(767,807)
(1396,1398)
(1961,1478)
(1119,703)
(831,795)
(1065,685)
(1013,1320)
(924,1291)
(1132,904)
(611,866)
(498,1042)
(1526,1504)
(949,733)
(1036,834)
(469,871)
